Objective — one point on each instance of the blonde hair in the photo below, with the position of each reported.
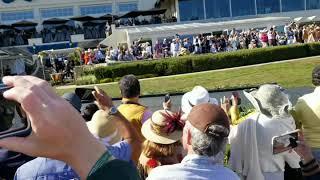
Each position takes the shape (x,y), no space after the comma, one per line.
(157,152)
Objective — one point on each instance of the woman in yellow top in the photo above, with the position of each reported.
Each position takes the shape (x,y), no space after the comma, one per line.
(307,115)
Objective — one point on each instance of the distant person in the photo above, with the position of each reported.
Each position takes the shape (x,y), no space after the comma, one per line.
(130,106)
(204,135)
(306,112)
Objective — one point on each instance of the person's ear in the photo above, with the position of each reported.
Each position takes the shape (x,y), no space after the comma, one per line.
(189,139)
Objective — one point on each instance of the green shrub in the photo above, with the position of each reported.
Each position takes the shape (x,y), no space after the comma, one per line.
(103,72)
(146,76)
(314,49)
(106,80)
(204,62)
(86,80)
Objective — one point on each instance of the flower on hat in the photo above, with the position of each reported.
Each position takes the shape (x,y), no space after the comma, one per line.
(173,122)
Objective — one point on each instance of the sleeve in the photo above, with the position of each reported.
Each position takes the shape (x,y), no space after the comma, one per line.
(295,114)
(121,150)
(146,115)
(109,168)
(292,159)
(311,169)
(235,114)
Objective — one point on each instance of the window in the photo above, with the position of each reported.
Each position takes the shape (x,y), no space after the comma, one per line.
(96,9)
(126,7)
(56,12)
(217,8)
(313,4)
(243,7)
(292,5)
(268,6)
(191,10)
(16,16)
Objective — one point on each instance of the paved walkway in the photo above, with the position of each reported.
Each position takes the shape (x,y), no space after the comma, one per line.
(218,70)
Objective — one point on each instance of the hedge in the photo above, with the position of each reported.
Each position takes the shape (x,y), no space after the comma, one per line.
(196,63)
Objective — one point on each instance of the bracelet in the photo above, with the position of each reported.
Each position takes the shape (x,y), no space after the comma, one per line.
(309,170)
(307,164)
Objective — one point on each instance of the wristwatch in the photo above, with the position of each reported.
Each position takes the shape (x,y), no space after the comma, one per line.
(113,111)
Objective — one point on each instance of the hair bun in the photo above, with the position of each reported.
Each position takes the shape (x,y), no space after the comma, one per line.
(218,131)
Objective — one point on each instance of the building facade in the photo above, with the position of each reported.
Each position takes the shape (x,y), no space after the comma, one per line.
(227,9)
(38,10)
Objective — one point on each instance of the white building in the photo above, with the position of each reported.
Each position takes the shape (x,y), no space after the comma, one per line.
(193,16)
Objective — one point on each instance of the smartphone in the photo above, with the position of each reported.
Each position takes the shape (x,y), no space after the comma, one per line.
(235,95)
(285,142)
(85,94)
(13,120)
(166,97)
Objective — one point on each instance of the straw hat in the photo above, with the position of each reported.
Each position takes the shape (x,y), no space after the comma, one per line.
(197,96)
(104,128)
(164,127)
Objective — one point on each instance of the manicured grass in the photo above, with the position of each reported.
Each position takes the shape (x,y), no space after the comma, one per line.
(288,74)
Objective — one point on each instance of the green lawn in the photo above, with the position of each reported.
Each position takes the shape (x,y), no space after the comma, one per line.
(287,74)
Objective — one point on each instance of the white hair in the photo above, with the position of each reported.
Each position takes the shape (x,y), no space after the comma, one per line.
(208,144)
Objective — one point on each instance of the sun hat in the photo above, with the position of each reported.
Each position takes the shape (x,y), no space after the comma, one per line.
(104,128)
(204,115)
(73,99)
(164,127)
(269,99)
(198,95)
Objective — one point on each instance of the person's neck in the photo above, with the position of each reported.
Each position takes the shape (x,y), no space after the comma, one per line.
(134,99)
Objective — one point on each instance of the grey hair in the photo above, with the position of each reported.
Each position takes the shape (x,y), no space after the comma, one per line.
(209,144)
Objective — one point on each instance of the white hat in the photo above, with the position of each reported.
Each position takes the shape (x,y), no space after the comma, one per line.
(197,96)
(269,99)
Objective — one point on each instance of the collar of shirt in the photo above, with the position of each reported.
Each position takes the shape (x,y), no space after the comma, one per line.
(198,160)
(317,90)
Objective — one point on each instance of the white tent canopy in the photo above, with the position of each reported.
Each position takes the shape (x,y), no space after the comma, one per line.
(297,19)
(155,32)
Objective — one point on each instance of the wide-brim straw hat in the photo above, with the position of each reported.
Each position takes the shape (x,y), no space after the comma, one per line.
(154,129)
(104,127)
(197,96)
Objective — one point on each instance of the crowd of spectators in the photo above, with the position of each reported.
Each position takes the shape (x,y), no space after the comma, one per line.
(208,43)
(155,19)
(50,34)
(58,33)
(132,142)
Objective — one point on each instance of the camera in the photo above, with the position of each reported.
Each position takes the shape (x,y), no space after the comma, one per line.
(13,119)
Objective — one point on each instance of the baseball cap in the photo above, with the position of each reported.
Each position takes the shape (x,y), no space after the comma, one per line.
(204,115)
